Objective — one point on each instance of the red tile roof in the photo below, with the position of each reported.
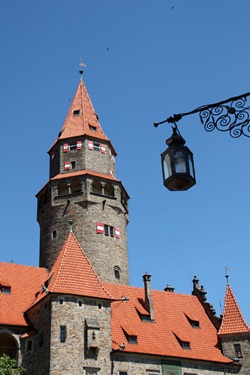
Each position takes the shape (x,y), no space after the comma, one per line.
(80,124)
(171,323)
(24,282)
(232,321)
(84,172)
(73,274)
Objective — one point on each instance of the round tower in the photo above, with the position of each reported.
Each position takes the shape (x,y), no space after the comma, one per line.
(83,189)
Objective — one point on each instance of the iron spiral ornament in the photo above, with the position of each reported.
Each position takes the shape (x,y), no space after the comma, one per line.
(231,115)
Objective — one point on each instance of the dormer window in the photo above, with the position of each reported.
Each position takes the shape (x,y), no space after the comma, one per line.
(145,318)
(183,341)
(76,112)
(5,289)
(194,322)
(132,339)
(92,128)
(185,345)
(131,336)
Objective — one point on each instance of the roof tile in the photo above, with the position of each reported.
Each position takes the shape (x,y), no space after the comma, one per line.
(24,282)
(232,321)
(158,337)
(78,125)
(73,274)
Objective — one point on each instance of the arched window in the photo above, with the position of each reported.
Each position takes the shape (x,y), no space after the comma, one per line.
(76,186)
(63,189)
(109,190)
(96,187)
(117,272)
(8,346)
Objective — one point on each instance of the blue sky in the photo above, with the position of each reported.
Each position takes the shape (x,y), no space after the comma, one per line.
(146,60)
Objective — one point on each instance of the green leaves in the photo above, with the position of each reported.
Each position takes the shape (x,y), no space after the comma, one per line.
(7,364)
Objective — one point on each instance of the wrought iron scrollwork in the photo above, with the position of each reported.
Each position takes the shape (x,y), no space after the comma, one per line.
(232,115)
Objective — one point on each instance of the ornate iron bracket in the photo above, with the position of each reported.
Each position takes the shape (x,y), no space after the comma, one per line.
(232,115)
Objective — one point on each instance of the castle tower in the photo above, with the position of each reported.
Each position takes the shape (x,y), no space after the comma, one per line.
(83,190)
(235,333)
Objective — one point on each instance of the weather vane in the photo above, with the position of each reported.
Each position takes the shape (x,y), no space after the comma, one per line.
(81,66)
(226,273)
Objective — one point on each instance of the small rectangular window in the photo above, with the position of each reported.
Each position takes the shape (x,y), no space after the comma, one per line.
(72,147)
(63,333)
(60,301)
(123,373)
(76,112)
(112,232)
(237,349)
(41,339)
(54,234)
(96,146)
(106,230)
(68,165)
(117,272)
(29,346)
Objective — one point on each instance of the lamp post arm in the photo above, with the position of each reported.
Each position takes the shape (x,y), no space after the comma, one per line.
(231,115)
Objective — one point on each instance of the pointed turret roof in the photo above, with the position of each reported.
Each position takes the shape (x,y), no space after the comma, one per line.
(81,118)
(73,274)
(232,321)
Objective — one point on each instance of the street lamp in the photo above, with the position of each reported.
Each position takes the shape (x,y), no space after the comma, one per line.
(177,163)
(230,115)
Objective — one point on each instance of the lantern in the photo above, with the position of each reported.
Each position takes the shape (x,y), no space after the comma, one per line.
(177,164)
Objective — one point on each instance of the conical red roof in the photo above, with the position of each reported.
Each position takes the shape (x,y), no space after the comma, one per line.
(73,274)
(81,118)
(232,321)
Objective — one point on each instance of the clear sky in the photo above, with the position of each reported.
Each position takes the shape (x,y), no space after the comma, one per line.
(146,60)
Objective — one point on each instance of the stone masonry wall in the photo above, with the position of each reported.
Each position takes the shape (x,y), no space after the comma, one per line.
(37,361)
(73,356)
(94,160)
(86,210)
(229,350)
(142,365)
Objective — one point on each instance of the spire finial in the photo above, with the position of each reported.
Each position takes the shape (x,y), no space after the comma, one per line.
(226,273)
(70,225)
(81,66)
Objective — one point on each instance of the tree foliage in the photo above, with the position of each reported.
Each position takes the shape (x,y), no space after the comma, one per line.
(7,364)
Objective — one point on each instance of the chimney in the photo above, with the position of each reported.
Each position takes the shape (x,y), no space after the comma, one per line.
(169,288)
(148,300)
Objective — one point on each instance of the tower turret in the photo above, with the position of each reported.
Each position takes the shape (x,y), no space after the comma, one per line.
(83,188)
(234,332)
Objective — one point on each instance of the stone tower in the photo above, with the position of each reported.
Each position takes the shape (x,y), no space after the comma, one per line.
(83,190)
